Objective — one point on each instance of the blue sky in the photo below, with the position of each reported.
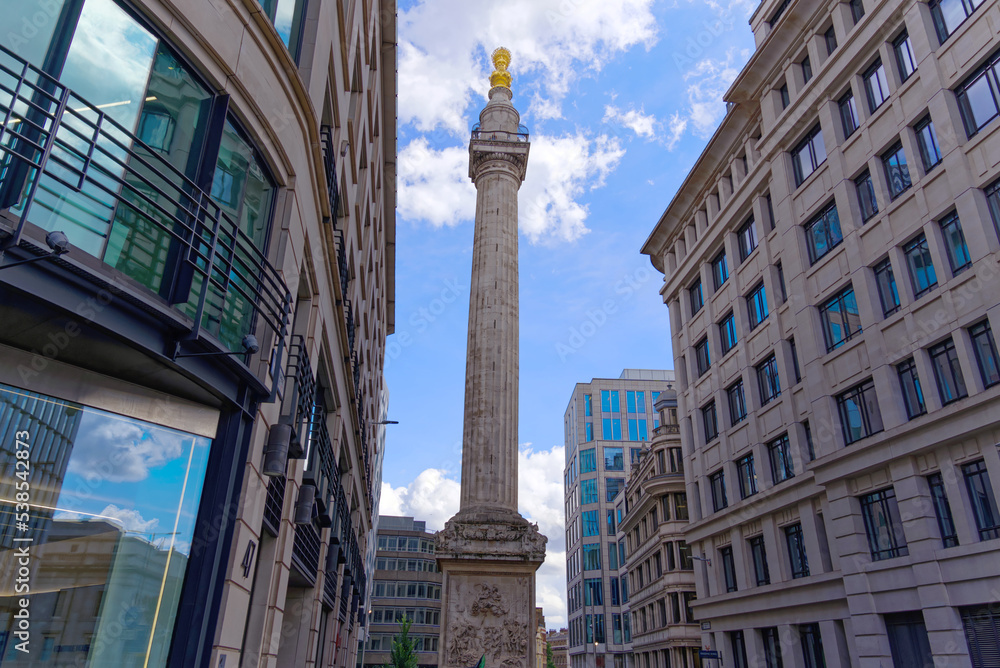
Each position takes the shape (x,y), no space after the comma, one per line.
(620,97)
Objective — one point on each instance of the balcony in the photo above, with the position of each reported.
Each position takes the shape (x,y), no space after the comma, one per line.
(521,136)
(138,224)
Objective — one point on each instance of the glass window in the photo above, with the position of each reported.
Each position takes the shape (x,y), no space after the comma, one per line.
(702,356)
(758,555)
(947,371)
(718,483)
(611,488)
(768,381)
(588,491)
(942,509)
(860,416)
(592,557)
(772,647)
(605,401)
(591,525)
(954,244)
(807,70)
(770,211)
(589,431)
(737,402)
(587,410)
(840,318)
(908,641)
(680,506)
(610,526)
(904,56)
(876,86)
(288,17)
(896,172)
(747,474)
(984,504)
(709,420)
(976,100)
(918,261)
(614,459)
(727,332)
(796,551)
(823,233)
(866,195)
(930,152)
(795,360)
(812,646)
(848,114)
(747,235)
(588,460)
(720,270)
(949,14)
(986,353)
(909,383)
(781,281)
(779,451)
(630,396)
(830,38)
(808,155)
(640,402)
(697,298)
(110,522)
(757,305)
(883,525)
(887,293)
(783,95)
(857,10)
(684,556)
(728,567)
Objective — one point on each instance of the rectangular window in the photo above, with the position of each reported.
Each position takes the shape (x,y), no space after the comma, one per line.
(888,295)
(591,525)
(589,431)
(807,70)
(866,195)
(984,504)
(728,567)
(860,416)
(630,395)
(737,402)
(710,421)
(612,431)
(812,646)
(588,460)
(795,360)
(909,383)
(982,633)
(930,152)
(718,482)
(954,244)
(883,525)
(720,270)
(768,381)
(588,492)
(593,592)
(947,372)
(684,556)
(587,410)
(841,319)
(830,37)
(702,357)
(747,235)
(808,155)
(918,261)
(809,440)
(897,175)
(681,506)
(758,554)
(610,525)
(876,86)
(904,56)
(986,353)
(772,647)
(796,551)
(697,298)
(949,14)
(757,305)
(942,509)
(640,402)
(747,475)
(592,557)
(781,281)
(727,333)
(857,10)
(783,94)
(976,99)
(848,114)
(823,233)
(613,561)
(779,451)
(770,211)
(614,459)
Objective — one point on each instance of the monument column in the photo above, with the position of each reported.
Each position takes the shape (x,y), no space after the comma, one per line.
(487,552)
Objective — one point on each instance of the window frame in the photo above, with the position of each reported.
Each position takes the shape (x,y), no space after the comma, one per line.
(881,269)
(839,304)
(857,10)
(984,329)
(710,421)
(806,67)
(955,245)
(808,147)
(942,510)
(880,511)
(735,417)
(727,332)
(769,379)
(919,243)
(697,296)
(830,39)
(720,270)
(798,559)
(902,48)
(896,154)
(876,96)
(909,386)
(779,455)
(757,309)
(827,223)
(758,560)
(702,356)
(717,483)
(926,134)
(937,18)
(983,500)
(728,568)
(748,238)
(746,474)
(848,113)
(957,389)
(864,186)
(859,394)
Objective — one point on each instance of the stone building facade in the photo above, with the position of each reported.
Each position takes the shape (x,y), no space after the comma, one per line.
(202,199)
(830,267)
(608,423)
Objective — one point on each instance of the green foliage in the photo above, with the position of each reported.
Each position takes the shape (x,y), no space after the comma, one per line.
(550,661)
(403,654)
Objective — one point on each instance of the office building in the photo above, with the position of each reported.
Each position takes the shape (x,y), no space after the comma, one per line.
(557,641)
(830,268)
(196,285)
(608,422)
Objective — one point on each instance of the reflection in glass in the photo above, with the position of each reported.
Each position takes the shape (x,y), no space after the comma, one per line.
(113,508)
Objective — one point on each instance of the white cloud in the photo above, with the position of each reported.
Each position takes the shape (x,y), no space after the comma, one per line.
(434,186)
(433,496)
(676,126)
(131,520)
(116,450)
(443,47)
(636,120)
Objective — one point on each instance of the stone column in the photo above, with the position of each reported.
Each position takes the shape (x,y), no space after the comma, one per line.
(488,553)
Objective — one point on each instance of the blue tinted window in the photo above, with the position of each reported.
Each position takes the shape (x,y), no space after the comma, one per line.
(630,401)
(640,400)
(633,430)
(616,429)
(589,428)
(587,410)
(588,492)
(615,405)
(643,433)
(588,461)
(614,459)
(605,401)
(591,527)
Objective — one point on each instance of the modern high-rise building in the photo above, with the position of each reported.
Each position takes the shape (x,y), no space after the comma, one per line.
(197,267)
(654,560)
(407,584)
(608,422)
(831,270)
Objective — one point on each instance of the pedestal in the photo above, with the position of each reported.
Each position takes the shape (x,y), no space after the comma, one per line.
(488,591)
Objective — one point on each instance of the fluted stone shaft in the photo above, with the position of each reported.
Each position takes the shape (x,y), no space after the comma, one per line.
(497,160)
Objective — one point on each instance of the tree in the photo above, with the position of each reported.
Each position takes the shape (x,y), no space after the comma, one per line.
(403,654)
(550,660)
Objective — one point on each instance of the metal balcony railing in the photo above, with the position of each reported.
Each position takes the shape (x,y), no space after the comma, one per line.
(300,395)
(345,275)
(273,504)
(216,278)
(521,136)
(351,326)
(329,164)
(305,551)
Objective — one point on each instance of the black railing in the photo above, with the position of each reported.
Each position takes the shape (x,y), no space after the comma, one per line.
(351,326)
(329,164)
(273,504)
(330,589)
(345,275)
(305,551)
(216,274)
(521,136)
(300,397)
